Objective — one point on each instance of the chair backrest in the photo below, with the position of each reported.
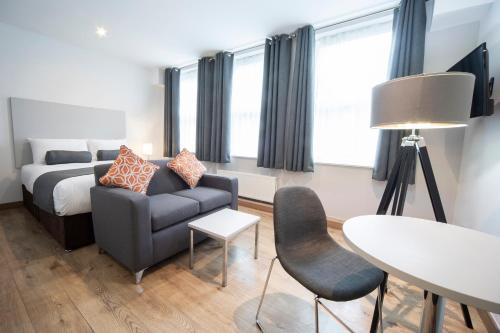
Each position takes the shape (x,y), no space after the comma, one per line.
(298,216)
(163,181)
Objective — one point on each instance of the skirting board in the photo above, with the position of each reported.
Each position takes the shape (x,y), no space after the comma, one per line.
(334,222)
(268,208)
(9,205)
(264,207)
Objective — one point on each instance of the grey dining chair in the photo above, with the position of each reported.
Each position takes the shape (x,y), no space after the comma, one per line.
(312,257)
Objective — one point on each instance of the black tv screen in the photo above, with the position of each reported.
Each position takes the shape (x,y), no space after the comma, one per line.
(476,63)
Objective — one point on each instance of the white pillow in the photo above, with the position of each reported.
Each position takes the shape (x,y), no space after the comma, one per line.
(39,147)
(94,145)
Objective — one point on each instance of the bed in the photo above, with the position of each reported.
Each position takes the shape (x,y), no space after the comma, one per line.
(70,219)
(58,195)
(70,195)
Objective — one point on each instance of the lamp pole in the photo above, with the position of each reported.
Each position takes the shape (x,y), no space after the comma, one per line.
(395,191)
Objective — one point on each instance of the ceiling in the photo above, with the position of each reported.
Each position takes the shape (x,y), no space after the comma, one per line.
(163,33)
(172,32)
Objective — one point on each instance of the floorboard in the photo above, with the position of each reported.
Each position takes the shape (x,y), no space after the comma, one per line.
(45,289)
(13,314)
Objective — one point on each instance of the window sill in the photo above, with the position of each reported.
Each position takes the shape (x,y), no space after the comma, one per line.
(345,165)
(318,163)
(244,157)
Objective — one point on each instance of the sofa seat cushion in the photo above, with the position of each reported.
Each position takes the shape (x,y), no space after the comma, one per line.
(168,209)
(209,198)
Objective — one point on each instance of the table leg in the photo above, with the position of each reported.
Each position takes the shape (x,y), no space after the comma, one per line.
(191,248)
(256,254)
(224,265)
(433,314)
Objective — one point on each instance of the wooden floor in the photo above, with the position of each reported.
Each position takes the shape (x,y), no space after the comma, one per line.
(44,289)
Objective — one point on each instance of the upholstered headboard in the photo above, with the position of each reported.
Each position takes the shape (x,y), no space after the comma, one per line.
(37,119)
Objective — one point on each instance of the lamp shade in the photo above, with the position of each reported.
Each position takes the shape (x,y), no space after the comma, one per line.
(436,100)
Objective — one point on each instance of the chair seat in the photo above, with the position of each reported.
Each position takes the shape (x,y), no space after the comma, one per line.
(168,209)
(208,198)
(328,270)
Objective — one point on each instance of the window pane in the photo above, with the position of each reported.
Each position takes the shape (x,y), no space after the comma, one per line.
(245,107)
(187,108)
(348,64)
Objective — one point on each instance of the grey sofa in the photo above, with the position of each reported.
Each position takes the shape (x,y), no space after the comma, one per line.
(141,230)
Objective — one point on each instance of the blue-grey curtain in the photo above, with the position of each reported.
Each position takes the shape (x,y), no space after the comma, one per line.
(286,119)
(407,58)
(275,87)
(171,112)
(298,148)
(214,108)
(204,105)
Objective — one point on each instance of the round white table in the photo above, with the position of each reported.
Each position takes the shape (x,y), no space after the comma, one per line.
(447,260)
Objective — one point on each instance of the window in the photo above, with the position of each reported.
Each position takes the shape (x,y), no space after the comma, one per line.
(349,62)
(187,107)
(245,103)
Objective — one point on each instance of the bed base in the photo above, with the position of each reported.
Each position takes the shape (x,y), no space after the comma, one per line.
(72,231)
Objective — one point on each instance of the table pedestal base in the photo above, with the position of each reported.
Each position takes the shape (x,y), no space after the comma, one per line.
(433,314)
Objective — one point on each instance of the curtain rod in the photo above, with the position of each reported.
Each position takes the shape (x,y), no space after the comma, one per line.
(317,28)
(252,47)
(351,19)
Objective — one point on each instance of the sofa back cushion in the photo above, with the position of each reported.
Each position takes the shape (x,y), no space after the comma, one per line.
(99,171)
(163,181)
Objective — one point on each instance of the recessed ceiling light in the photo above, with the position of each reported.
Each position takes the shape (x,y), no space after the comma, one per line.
(101,32)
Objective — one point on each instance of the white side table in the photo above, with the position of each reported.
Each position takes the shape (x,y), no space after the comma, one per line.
(223,225)
(447,260)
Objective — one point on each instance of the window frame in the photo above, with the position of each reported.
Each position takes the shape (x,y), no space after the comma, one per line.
(357,23)
(188,69)
(381,17)
(252,51)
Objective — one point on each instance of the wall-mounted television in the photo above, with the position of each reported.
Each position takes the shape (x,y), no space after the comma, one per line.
(476,62)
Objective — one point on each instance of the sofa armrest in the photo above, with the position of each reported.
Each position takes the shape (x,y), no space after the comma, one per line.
(122,225)
(229,184)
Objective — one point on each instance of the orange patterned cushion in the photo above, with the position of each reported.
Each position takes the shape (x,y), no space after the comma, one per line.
(129,171)
(187,166)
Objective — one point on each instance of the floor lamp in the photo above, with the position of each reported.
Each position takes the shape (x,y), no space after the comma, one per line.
(426,101)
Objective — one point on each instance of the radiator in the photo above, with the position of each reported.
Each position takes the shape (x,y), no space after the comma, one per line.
(252,185)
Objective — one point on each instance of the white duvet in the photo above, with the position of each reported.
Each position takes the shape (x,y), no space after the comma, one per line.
(71,195)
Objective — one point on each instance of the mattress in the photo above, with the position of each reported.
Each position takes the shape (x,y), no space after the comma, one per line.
(71,195)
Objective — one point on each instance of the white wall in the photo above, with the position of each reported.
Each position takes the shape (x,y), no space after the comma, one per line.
(347,191)
(443,49)
(477,205)
(478,199)
(37,67)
